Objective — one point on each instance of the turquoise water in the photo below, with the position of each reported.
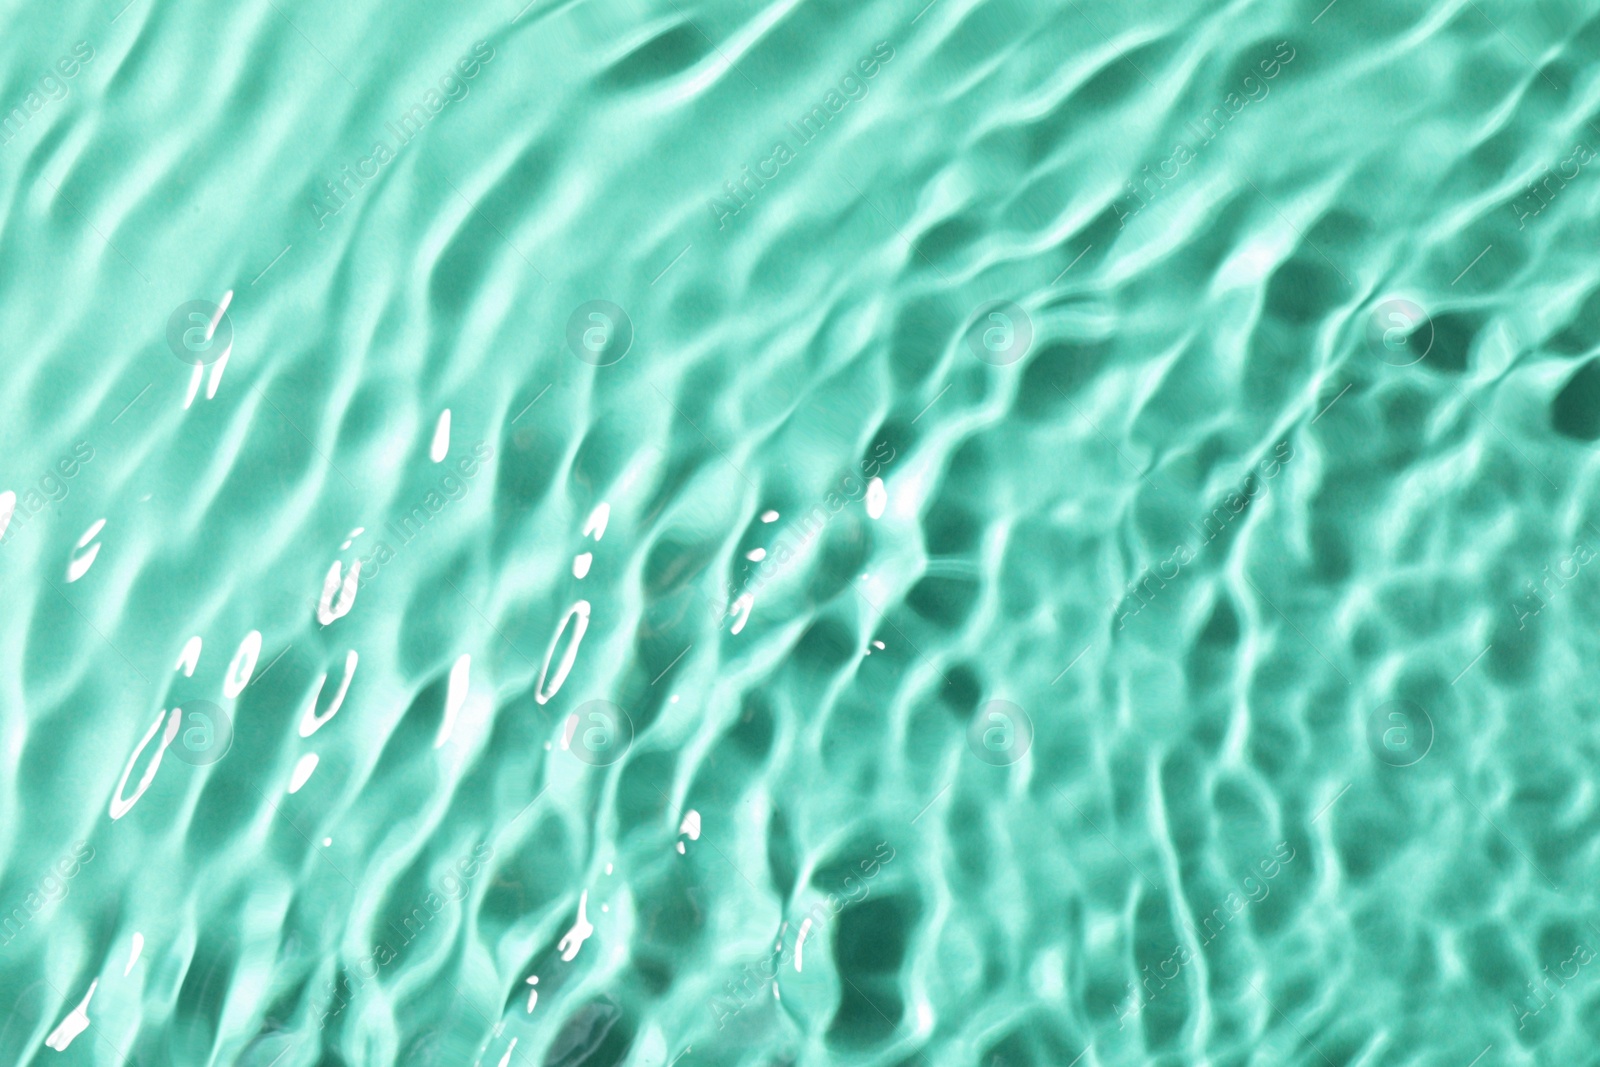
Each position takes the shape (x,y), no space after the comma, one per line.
(982,533)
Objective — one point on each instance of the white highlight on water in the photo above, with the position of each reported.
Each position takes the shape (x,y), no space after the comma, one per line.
(194,384)
(441,438)
(121,807)
(302,771)
(580,564)
(221,362)
(769,516)
(222,309)
(741,608)
(217,367)
(133,955)
(533,994)
(581,610)
(581,930)
(877,498)
(310,721)
(597,520)
(189,656)
(494,1035)
(327,609)
(800,947)
(350,540)
(690,826)
(74,1024)
(757,554)
(243,665)
(79,565)
(455,696)
(505,1061)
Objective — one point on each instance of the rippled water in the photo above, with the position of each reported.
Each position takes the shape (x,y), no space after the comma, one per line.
(979,533)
